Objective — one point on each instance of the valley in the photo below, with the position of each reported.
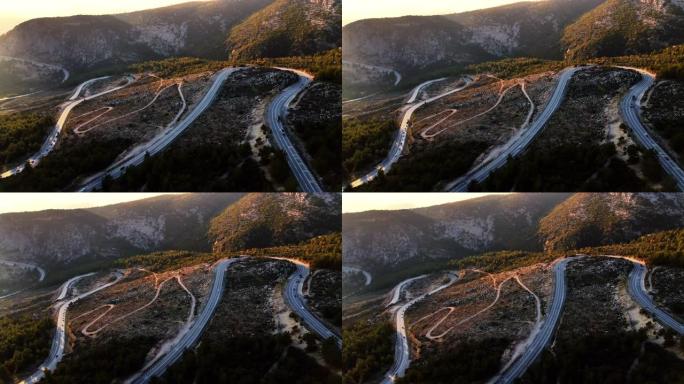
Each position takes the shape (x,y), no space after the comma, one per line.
(561,309)
(529,119)
(168,307)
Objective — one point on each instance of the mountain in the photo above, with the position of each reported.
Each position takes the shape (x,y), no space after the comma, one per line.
(288,28)
(533,222)
(271,219)
(623,27)
(590,219)
(57,237)
(415,42)
(379,239)
(198,29)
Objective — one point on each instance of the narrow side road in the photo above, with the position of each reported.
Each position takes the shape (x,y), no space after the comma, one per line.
(519,143)
(162,140)
(59,339)
(366,275)
(400,139)
(275,117)
(193,334)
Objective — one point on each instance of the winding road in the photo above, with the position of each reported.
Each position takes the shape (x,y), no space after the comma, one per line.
(400,139)
(366,275)
(630,109)
(17,264)
(59,339)
(193,334)
(294,298)
(637,290)
(402,352)
(162,140)
(276,114)
(53,136)
(518,143)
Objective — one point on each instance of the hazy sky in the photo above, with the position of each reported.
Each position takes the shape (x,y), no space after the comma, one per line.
(23,202)
(353,10)
(13,12)
(359,202)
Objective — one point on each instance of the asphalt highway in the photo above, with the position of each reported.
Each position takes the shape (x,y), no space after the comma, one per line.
(366,275)
(543,337)
(402,352)
(520,144)
(400,139)
(275,116)
(162,140)
(59,338)
(637,289)
(51,140)
(294,298)
(196,329)
(630,108)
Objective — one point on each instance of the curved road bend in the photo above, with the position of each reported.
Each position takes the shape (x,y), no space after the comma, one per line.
(21,265)
(637,289)
(51,140)
(519,143)
(400,139)
(630,109)
(59,339)
(194,333)
(402,354)
(275,116)
(162,140)
(366,275)
(542,338)
(294,298)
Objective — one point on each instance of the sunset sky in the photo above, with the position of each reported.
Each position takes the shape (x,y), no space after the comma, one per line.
(14,12)
(360,202)
(353,10)
(24,202)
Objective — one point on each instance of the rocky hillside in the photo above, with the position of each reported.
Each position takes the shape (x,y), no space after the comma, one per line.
(57,237)
(536,222)
(198,29)
(590,219)
(622,27)
(288,28)
(409,43)
(270,219)
(378,239)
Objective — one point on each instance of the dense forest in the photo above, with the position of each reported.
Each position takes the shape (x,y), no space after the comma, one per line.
(322,252)
(24,343)
(568,167)
(477,362)
(265,359)
(22,134)
(59,170)
(615,358)
(365,143)
(428,169)
(368,351)
(494,262)
(100,362)
(662,248)
(323,142)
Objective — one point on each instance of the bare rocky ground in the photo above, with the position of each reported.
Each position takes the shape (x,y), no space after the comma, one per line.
(668,288)
(664,107)
(464,312)
(325,295)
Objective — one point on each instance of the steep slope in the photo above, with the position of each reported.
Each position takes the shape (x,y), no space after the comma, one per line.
(270,219)
(208,29)
(410,43)
(379,239)
(623,27)
(57,237)
(591,219)
(288,28)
